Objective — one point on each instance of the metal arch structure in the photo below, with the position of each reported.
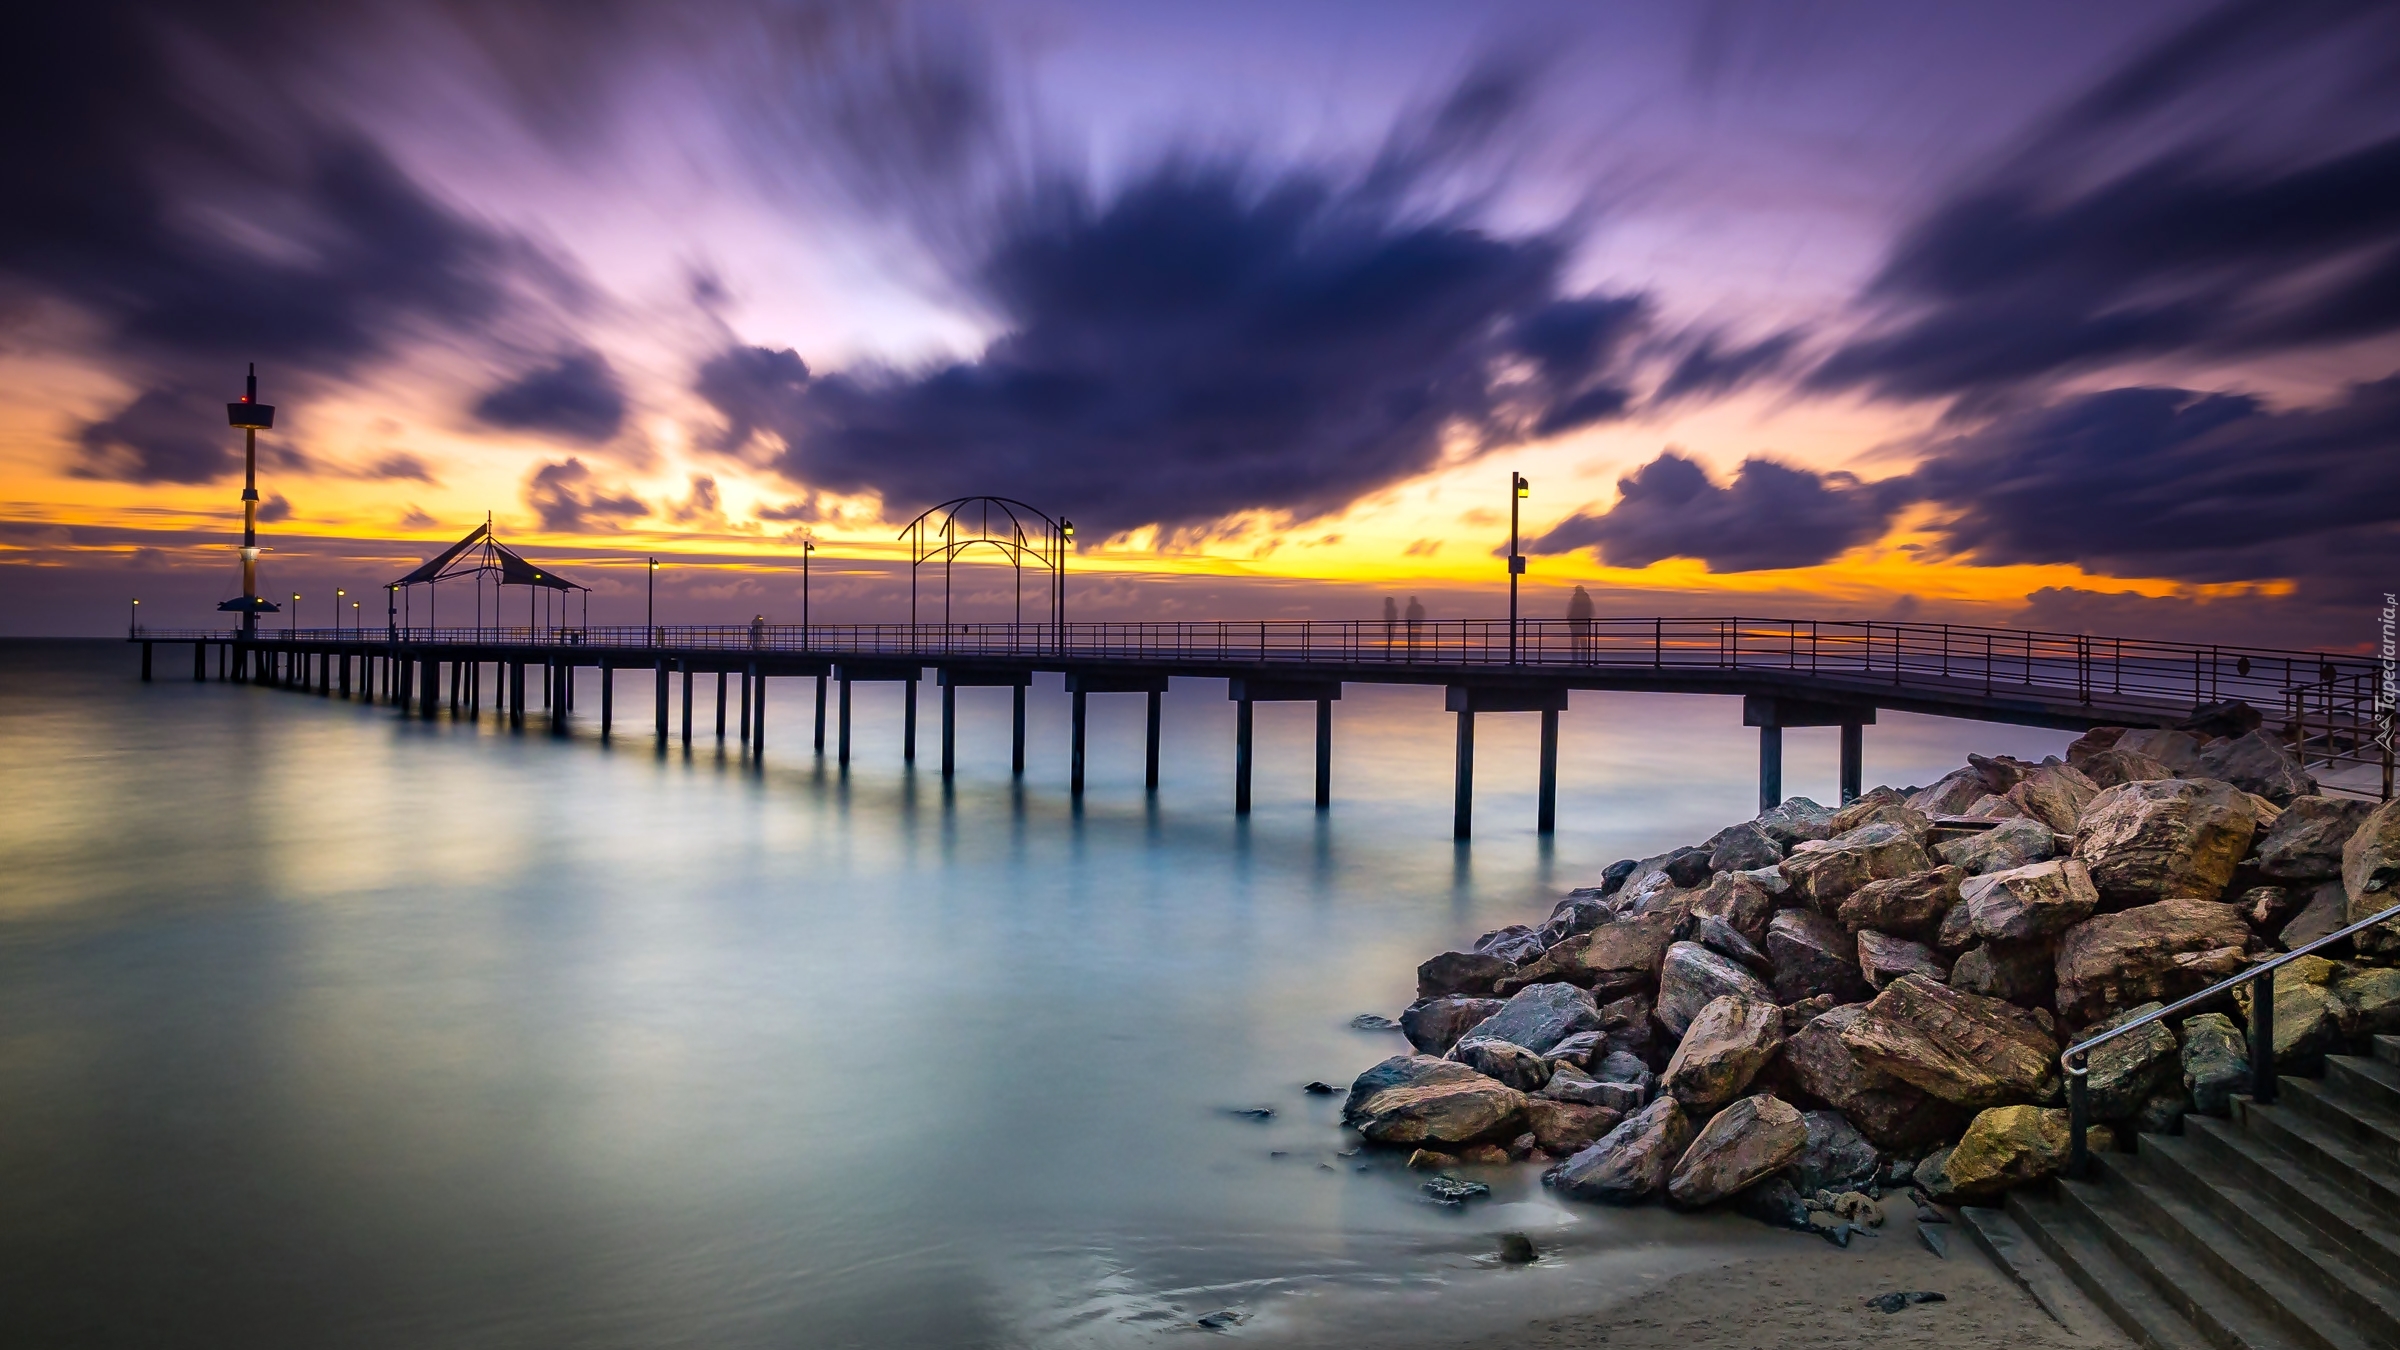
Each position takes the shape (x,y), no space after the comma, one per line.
(478,556)
(1018,531)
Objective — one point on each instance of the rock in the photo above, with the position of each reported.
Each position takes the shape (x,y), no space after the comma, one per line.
(2326,911)
(2161,951)
(1416,1099)
(1820,1067)
(2027,903)
(1315,1089)
(2306,1020)
(1726,940)
(2022,973)
(1433,1025)
(2124,1072)
(1612,877)
(2171,839)
(1957,932)
(1902,1298)
(1691,977)
(1812,955)
(1629,1027)
(1579,1048)
(2264,908)
(1796,821)
(1775,1203)
(1539,1017)
(2370,874)
(2215,1061)
(1807,1010)
(1822,877)
(1624,1098)
(1577,914)
(1742,1144)
(1630,1163)
(1625,954)
(2003,1148)
(1738,848)
(1619,1067)
(1929,1176)
(2257,762)
(2011,843)
(2178,750)
(1911,906)
(1727,1044)
(2111,767)
(1430,1160)
(1452,1191)
(2054,794)
(1883,958)
(1836,1157)
(2229,718)
(1876,804)
(1562,1128)
(2305,842)
(1957,1046)
(1471,973)
(1954,792)
(2091,743)
(1688,867)
(1740,899)
(2367,1000)
(2162,1112)
(2000,772)
(1516,1249)
(1504,1061)
(1504,940)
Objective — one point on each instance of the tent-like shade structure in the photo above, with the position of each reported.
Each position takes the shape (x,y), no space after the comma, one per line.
(479,552)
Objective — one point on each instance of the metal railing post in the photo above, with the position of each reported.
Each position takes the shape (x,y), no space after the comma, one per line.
(2262,1037)
(2079,1111)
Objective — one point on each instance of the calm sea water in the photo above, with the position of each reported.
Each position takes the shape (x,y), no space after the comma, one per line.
(321,1026)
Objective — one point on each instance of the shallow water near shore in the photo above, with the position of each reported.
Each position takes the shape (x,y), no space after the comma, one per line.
(320,1025)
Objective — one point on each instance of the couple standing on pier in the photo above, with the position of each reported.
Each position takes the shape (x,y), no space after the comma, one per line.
(1579,623)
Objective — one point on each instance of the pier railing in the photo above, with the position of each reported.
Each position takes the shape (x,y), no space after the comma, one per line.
(2327,694)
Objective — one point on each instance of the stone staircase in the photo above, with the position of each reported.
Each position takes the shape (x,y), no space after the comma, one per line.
(2277,1228)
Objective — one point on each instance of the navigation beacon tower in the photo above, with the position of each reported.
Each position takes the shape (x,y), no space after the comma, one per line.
(252,417)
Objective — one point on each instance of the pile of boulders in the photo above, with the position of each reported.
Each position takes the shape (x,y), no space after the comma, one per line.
(1821,1002)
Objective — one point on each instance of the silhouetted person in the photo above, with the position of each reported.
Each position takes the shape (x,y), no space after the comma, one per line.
(1579,622)
(1416,617)
(1391,622)
(758,632)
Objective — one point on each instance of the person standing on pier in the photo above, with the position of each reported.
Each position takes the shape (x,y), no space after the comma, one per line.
(1416,619)
(1579,623)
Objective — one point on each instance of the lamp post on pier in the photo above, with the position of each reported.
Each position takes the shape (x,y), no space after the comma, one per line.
(807,546)
(293,625)
(133,620)
(1519,489)
(650,613)
(338,595)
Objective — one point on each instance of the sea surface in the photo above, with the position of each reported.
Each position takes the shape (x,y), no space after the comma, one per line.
(321,1025)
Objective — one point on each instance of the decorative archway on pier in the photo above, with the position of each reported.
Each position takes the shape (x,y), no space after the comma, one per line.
(1020,533)
(482,559)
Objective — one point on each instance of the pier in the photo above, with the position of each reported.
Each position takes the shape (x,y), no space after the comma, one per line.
(1784,672)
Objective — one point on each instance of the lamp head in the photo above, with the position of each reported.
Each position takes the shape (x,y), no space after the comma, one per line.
(1524,486)
(1066,528)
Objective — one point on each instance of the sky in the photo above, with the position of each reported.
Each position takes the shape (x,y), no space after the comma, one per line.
(2042,315)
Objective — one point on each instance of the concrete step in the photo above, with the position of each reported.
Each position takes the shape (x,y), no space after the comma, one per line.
(2121,1292)
(2387,1049)
(2002,1238)
(2329,1279)
(2343,1213)
(2324,1153)
(2370,1128)
(2370,1081)
(2222,1281)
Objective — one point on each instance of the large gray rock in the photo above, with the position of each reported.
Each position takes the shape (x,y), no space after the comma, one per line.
(1813,955)
(1797,821)
(1575,915)
(1503,1061)
(1539,1017)
(1819,1067)
(2162,951)
(2114,766)
(2305,842)
(1517,942)
(1883,958)
(1740,899)
(2124,1072)
(1692,977)
(1910,906)
(1954,1045)
(1836,1157)
(1742,1144)
(1630,1163)
(2171,839)
(2257,762)
(1433,1025)
(2370,874)
(1877,806)
(1822,877)
(2028,903)
(1954,792)
(1629,1027)
(1416,1099)
(1726,940)
(1725,1047)
(1623,955)
(2020,973)
(2178,750)
(2325,912)
(1471,973)
(1579,1049)
(1738,848)
(2015,842)
(2215,1062)
(1562,1128)
(2053,794)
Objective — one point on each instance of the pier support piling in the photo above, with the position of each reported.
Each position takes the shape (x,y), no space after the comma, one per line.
(1462,779)
(1546,810)
(1075,745)
(820,713)
(1241,757)
(1150,744)
(724,677)
(1324,754)
(1016,744)
(687,702)
(1770,768)
(949,729)
(1772,713)
(842,737)
(1853,761)
(659,687)
(608,698)
(758,713)
(749,677)
(199,663)
(908,720)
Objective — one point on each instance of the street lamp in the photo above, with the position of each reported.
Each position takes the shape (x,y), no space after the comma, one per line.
(338,593)
(295,622)
(650,615)
(1066,540)
(807,546)
(1519,489)
(133,621)
(355,630)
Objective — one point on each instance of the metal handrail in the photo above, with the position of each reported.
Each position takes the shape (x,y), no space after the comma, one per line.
(2074,1058)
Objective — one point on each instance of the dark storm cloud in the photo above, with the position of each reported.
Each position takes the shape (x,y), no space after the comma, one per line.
(1713,366)
(1211,338)
(567,499)
(576,397)
(179,196)
(2233,191)
(1770,516)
